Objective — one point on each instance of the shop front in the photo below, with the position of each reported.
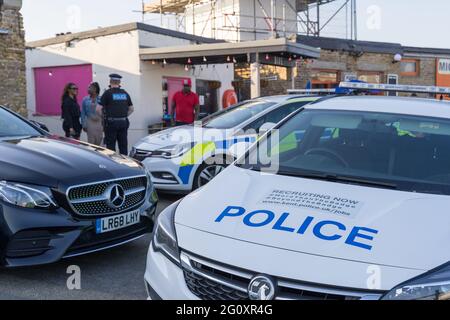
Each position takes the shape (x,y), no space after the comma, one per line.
(443,74)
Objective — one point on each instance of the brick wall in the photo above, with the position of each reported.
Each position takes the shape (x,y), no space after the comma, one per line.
(347,63)
(12,61)
(426,75)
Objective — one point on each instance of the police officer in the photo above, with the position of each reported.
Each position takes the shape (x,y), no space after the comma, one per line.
(117,107)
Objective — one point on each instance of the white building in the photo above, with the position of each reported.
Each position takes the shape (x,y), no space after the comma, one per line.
(93,55)
(242,20)
(154,62)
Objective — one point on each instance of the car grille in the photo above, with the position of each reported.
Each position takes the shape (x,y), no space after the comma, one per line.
(92,199)
(214,281)
(210,290)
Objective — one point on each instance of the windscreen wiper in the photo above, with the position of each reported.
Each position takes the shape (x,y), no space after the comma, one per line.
(338,178)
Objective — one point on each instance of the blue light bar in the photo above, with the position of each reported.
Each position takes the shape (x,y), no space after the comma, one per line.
(394,88)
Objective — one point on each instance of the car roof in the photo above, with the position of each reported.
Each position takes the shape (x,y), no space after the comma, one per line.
(399,105)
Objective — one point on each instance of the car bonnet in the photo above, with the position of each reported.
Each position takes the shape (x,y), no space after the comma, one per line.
(348,222)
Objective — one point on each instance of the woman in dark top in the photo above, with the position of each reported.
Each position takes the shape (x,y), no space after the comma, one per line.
(71,112)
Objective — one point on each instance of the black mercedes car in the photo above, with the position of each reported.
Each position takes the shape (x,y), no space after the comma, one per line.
(62,198)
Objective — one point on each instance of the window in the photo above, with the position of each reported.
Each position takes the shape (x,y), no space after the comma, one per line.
(276,115)
(370,77)
(409,67)
(232,117)
(324,78)
(13,126)
(407,153)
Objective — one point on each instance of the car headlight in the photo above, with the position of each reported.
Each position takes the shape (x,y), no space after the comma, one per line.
(434,285)
(27,196)
(164,237)
(174,151)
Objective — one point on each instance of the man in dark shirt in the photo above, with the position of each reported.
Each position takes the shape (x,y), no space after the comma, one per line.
(185,105)
(117,107)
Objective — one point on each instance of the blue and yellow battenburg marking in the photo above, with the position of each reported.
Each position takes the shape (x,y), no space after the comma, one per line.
(200,150)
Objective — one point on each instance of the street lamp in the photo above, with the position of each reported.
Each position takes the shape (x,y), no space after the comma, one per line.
(397,58)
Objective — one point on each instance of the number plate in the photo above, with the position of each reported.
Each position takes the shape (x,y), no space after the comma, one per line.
(117,222)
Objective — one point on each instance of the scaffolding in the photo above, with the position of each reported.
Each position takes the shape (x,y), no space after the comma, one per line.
(169,6)
(312,21)
(309,17)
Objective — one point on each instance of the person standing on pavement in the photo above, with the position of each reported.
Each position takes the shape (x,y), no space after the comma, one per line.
(71,112)
(91,119)
(117,107)
(185,105)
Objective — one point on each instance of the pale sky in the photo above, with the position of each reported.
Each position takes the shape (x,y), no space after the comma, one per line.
(409,22)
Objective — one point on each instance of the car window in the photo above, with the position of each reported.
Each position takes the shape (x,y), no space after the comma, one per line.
(13,126)
(237,115)
(217,114)
(408,153)
(276,115)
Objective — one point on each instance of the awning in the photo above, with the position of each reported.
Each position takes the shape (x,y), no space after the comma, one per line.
(282,52)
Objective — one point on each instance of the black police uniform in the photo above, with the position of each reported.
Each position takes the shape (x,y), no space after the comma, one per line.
(116,103)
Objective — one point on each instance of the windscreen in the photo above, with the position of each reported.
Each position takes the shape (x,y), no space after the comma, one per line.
(237,115)
(13,126)
(409,153)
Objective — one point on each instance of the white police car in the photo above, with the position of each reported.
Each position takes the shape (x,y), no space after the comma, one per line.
(185,158)
(353,205)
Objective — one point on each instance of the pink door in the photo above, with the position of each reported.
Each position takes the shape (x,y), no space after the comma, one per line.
(174,84)
(50,82)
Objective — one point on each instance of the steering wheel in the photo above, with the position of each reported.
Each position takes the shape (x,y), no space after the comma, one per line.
(324,151)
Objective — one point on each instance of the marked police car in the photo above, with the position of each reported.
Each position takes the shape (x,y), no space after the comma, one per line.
(360,213)
(185,158)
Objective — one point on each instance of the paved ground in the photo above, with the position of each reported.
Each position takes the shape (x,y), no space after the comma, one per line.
(113,274)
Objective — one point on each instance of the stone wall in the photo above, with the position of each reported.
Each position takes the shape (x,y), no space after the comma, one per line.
(12,58)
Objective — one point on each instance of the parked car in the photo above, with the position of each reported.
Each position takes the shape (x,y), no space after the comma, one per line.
(203,153)
(356,208)
(61,198)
